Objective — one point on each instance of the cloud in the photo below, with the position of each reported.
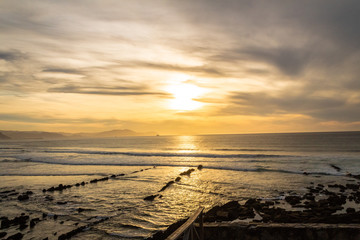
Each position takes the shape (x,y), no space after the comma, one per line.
(101,90)
(202,70)
(12,55)
(334,108)
(63,70)
(266,57)
(15,117)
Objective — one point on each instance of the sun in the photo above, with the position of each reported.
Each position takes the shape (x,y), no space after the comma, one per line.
(184,95)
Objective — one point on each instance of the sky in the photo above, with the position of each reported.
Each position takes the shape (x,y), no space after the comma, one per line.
(180,67)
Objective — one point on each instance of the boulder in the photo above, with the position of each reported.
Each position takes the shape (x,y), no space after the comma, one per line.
(23,197)
(16,236)
(293,200)
(166,186)
(151,197)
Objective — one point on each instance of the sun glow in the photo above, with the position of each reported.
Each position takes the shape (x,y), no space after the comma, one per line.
(184,95)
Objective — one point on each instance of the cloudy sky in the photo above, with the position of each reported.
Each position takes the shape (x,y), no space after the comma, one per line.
(180,67)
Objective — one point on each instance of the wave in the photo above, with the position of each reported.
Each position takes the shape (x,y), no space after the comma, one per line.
(51,174)
(239,169)
(172,154)
(11,148)
(16,160)
(247,150)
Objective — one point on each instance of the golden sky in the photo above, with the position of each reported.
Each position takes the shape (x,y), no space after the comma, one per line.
(180,67)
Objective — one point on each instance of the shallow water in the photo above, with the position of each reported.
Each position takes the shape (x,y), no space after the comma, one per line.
(236,167)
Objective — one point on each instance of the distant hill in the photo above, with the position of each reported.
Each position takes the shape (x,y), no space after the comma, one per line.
(113,133)
(53,135)
(32,135)
(4,137)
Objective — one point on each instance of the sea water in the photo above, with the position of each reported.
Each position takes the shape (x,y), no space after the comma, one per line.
(235,167)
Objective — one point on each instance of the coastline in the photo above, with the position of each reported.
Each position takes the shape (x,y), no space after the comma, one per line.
(332,211)
(320,203)
(78,190)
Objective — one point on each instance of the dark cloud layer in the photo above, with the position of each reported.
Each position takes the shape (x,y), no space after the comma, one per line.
(11,55)
(63,70)
(335,108)
(100,90)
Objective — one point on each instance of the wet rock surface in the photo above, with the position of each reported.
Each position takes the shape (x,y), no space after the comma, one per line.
(168,184)
(30,224)
(319,205)
(326,209)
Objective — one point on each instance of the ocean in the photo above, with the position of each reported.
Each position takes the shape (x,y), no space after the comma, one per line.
(235,167)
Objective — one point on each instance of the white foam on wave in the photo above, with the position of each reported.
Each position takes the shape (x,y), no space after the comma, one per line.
(171,154)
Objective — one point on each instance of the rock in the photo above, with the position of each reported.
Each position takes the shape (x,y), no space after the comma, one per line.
(84,209)
(23,226)
(5,223)
(166,186)
(293,200)
(49,198)
(94,181)
(335,167)
(337,200)
(253,203)
(350,210)
(309,196)
(71,233)
(352,186)
(7,191)
(13,194)
(200,167)
(188,172)
(21,220)
(16,236)
(337,186)
(34,221)
(228,212)
(177,179)
(23,197)
(151,197)
(103,179)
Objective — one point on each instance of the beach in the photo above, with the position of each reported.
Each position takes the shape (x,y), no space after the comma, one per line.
(98,189)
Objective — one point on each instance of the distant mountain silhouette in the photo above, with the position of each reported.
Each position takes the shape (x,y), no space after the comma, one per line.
(53,135)
(32,135)
(3,136)
(113,133)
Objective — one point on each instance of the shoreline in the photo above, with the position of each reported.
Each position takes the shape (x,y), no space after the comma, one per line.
(332,207)
(81,217)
